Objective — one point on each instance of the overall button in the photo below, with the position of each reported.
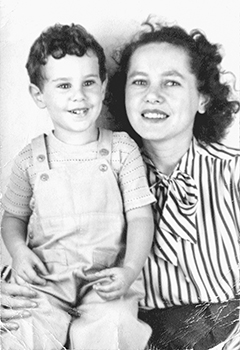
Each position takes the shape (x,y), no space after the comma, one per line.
(41,158)
(44,177)
(31,235)
(103,167)
(104,152)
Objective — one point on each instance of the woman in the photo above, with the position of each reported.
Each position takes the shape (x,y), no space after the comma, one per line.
(179,111)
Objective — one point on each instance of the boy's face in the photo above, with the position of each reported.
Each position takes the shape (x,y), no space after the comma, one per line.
(73,93)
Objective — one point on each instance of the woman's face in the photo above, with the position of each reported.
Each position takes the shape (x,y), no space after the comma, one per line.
(161,93)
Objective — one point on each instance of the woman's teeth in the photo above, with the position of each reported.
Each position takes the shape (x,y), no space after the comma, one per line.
(154,115)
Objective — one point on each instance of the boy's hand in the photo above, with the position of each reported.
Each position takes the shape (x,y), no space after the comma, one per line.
(121,280)
(27,265)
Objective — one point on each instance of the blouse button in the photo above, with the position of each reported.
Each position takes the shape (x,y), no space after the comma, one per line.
(103,167)
(44,177)
(104,152)
(41,158)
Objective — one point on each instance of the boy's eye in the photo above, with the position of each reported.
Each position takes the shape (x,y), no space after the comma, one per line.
(64,86)
(88,83)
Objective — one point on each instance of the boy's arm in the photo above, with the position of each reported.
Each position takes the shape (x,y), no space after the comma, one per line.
(25,263)
(14,230)
(139,238)
(114,282)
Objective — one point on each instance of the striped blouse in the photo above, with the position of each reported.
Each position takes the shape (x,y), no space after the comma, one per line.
(195,256)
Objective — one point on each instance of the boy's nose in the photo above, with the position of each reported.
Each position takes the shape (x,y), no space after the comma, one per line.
(78,94)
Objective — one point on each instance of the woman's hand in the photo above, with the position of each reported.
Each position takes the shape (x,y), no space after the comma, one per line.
(118,280)
(27,265)
(15,303)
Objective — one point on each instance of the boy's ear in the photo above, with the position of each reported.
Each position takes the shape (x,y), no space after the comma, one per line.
(37,95)
(104,87)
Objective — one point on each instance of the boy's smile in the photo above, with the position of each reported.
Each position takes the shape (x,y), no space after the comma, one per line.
(73,93)
(78,111)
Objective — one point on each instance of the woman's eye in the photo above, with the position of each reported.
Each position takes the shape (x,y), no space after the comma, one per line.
(139,82)
(172,83)
(64,86)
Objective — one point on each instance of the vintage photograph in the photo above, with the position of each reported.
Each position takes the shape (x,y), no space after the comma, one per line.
(120,175)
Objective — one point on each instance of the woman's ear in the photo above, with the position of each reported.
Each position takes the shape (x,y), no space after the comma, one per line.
(37,95)
(203,101)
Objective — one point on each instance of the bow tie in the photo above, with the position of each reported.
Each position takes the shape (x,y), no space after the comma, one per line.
(176,222)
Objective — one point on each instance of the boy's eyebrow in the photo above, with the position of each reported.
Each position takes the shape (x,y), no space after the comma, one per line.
(167,73)
(57,79)
(67,79)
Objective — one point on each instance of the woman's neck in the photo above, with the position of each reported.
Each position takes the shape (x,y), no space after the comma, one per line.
(166,155)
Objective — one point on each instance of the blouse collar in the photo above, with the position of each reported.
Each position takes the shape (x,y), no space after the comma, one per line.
(177,219)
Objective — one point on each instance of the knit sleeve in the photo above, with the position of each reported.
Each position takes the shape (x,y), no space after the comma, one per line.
(132,177)
(18,194)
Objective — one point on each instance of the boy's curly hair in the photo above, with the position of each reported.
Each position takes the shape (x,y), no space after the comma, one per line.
(58,41)
(205,59)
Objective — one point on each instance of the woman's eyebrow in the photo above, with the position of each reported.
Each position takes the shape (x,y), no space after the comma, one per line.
(174,73)
(137,72)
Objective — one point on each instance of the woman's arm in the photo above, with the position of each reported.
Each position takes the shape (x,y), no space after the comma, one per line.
(16,302)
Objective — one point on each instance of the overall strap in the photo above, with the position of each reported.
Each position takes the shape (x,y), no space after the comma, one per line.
(105,144)
(39,150)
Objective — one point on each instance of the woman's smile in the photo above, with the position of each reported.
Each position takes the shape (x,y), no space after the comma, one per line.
(154,114)
(161,90)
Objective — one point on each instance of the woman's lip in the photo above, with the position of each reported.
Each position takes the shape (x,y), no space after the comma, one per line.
(154,114)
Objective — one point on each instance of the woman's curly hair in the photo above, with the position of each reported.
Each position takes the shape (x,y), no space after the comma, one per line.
(58,41)
(205,59)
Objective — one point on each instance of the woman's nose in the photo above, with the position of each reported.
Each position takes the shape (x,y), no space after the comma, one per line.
(154,95)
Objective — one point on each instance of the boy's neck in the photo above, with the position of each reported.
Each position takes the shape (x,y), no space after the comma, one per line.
(78,138)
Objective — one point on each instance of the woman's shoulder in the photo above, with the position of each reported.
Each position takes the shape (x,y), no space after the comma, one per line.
(223,159)
(219,151)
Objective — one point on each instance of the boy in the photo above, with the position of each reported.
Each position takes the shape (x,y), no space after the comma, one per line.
(64,200)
